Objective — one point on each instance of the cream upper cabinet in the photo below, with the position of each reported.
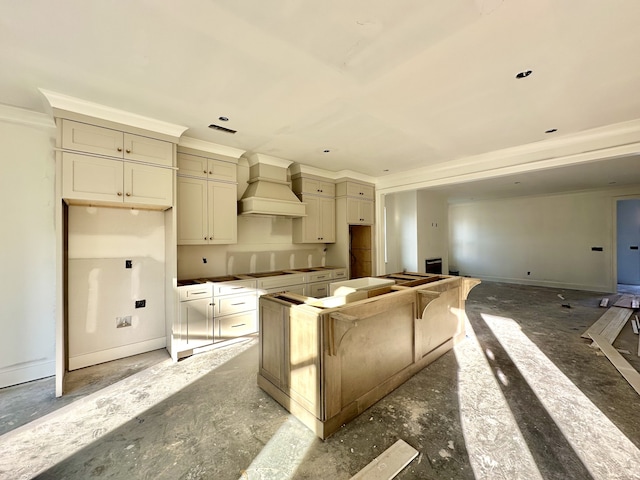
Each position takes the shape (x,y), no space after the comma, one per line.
(87,179)
(359,212)
(355,190)
(314,186)
(87,138)
(208,168)
(319,225)
(206,211)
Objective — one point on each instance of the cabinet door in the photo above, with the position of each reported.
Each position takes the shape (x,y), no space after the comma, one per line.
(196,323)
(327,222)
(193,165)
(360,191)
(91,178)
(148,185)
(192,211)
(223,171)
(91,139)
(223,213)
(359,212)
(366,211)
(150,150)
(318,187)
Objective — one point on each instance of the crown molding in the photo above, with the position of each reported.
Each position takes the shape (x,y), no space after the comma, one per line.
(63,104)
(215,148)
(22,116)
(590,145)
(255,158)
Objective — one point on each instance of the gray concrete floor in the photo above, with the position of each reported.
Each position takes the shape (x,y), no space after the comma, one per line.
(523,396)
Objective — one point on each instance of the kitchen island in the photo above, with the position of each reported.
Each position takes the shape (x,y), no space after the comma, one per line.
(328,360)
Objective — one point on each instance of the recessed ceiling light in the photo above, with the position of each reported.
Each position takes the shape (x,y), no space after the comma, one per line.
(516,183)
(326,151)
(524,74)
(612,183)
(551,130)
(223,119)
(385,170)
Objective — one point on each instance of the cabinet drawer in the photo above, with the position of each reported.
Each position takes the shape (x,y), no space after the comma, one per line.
(318,290)
(233,326)
(319,276)
(231,304)
(242,286)
(194,291)
(339,273)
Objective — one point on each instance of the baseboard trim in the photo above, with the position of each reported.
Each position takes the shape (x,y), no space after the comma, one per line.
(88,359)
(543,283)
(27,372)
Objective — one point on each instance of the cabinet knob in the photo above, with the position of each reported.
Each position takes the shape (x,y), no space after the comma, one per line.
(119,194)
(210,173)
(205,172)
(128,151)
(210,238)
(119,149)
(128,194)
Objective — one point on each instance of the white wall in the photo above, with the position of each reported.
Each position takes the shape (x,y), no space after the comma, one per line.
(433,230)
(544,240)
(416,230)
(27,256)
(100,288)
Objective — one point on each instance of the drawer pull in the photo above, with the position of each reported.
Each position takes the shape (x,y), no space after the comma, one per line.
(203,292)
(236,288)
(238,325)
(236,304)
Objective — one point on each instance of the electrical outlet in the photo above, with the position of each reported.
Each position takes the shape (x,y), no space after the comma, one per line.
(128,264)
(528,273)
(141,303)
(123,321)
(204,260)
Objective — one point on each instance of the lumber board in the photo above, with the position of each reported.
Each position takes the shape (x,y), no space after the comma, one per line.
(616,324)
(389,463)
(624,301)
(607,317)
(629,373)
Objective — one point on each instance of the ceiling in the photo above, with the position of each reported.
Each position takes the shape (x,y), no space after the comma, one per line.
(385,87)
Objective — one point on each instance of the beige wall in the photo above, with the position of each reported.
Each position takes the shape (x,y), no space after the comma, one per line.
(27,256)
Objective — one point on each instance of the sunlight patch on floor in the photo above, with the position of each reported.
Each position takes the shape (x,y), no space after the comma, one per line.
(496,447)
(283,453)
(40,444)
(605,451)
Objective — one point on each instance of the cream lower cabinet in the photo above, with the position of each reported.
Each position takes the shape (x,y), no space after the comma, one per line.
(207,212)
(359,212)
(196,323)
(95,179)
(319,226)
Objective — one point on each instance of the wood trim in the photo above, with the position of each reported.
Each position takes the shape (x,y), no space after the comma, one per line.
(389,463)
(629,373)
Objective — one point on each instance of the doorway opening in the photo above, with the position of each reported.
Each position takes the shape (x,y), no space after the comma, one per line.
(360,252)
(628,245)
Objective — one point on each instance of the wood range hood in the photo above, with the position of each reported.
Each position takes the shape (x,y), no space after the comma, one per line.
(269,192)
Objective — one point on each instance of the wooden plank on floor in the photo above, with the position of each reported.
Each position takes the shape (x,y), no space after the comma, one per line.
(624,301)
(616,324)
(389,463)
(611,314)
(629,373)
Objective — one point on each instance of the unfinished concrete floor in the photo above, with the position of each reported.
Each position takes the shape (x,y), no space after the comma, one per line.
(523,396)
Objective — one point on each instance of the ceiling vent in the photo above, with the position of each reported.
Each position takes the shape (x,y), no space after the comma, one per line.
(222,129)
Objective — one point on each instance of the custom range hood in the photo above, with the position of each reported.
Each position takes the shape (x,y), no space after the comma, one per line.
(269,192)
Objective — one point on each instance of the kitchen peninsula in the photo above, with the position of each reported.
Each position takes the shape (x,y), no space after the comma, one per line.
(327,360)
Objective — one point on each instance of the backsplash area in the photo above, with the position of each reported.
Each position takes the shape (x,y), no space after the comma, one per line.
(221,260)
